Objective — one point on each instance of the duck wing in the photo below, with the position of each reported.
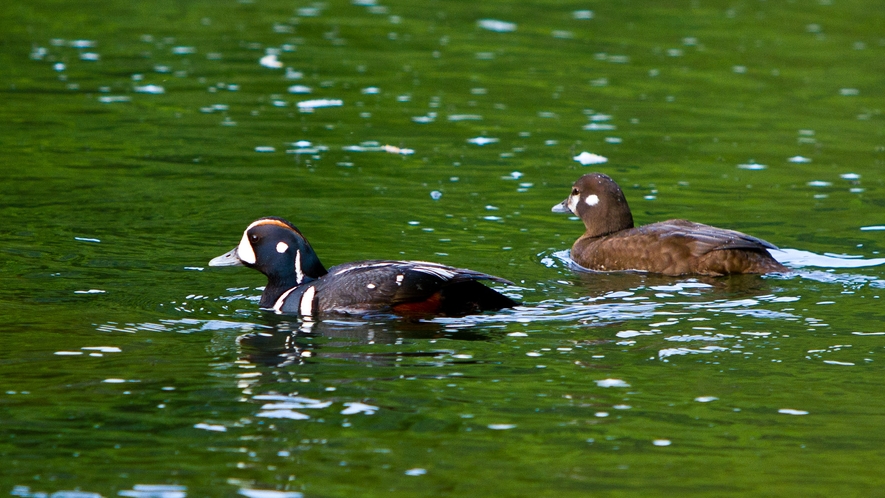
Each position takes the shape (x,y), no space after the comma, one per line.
(407,286)
(705,238)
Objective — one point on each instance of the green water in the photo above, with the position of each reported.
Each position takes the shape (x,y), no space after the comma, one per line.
(130,368)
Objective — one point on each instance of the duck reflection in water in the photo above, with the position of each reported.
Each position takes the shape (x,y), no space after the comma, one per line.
(290,342)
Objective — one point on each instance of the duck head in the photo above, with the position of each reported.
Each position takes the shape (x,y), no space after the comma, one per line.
(600,204)
(277,249)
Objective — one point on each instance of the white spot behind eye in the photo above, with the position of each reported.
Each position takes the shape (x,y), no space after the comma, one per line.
(399,279)
(370,286)
(245,251)
(282,247)
(592,200)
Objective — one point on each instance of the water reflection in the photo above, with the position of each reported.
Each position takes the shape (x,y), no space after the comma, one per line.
(291,342)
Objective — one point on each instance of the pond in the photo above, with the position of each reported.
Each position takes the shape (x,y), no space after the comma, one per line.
(140,139)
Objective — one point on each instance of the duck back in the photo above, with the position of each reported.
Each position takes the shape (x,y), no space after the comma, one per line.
(676,247)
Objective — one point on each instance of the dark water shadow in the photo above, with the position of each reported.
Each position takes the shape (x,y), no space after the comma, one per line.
(287,341)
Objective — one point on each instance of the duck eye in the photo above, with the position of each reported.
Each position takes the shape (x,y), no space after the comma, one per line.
(253,237)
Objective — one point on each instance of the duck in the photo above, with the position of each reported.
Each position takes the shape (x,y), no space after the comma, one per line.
(299,284)
(674,247)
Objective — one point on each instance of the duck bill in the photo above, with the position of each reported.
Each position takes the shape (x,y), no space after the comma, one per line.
(562,207)
(229,258)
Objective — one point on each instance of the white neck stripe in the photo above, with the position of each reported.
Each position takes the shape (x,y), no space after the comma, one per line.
(299,275)
(279,304)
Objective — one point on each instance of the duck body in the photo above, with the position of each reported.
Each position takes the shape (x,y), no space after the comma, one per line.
(673,247)
(299,284)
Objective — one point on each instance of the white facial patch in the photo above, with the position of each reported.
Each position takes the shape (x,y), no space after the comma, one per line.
(573,203)
(306,305)
(370,286)
(592,200)
(245,251)
(282,247)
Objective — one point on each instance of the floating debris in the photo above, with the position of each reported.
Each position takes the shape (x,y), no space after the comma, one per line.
(271,61)
(496,26)
(612,383)
(317,103)
(210,427)
(501,427)
(429,118)
(151,89)
(599,127)
(482,140)
(465,117)
(752,166)
(790,411)
(392,149)
(357,407)
(588,158)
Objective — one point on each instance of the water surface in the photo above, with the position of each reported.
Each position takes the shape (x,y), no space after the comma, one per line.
(141,139)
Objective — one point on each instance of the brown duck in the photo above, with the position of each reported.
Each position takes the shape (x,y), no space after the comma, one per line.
(673,247)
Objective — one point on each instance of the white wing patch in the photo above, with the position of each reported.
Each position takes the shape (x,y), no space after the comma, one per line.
(306,305)
(245,251)
(360,267)
(437,271)
(592,200)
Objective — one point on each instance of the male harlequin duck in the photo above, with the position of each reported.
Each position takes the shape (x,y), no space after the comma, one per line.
(298,283)
(673,247)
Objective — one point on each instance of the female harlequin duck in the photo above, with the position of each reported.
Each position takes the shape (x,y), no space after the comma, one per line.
(673,247)
(298,283)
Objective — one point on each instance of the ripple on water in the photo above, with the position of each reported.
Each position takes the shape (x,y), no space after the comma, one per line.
(155,491)
(496,25)
(269,493)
